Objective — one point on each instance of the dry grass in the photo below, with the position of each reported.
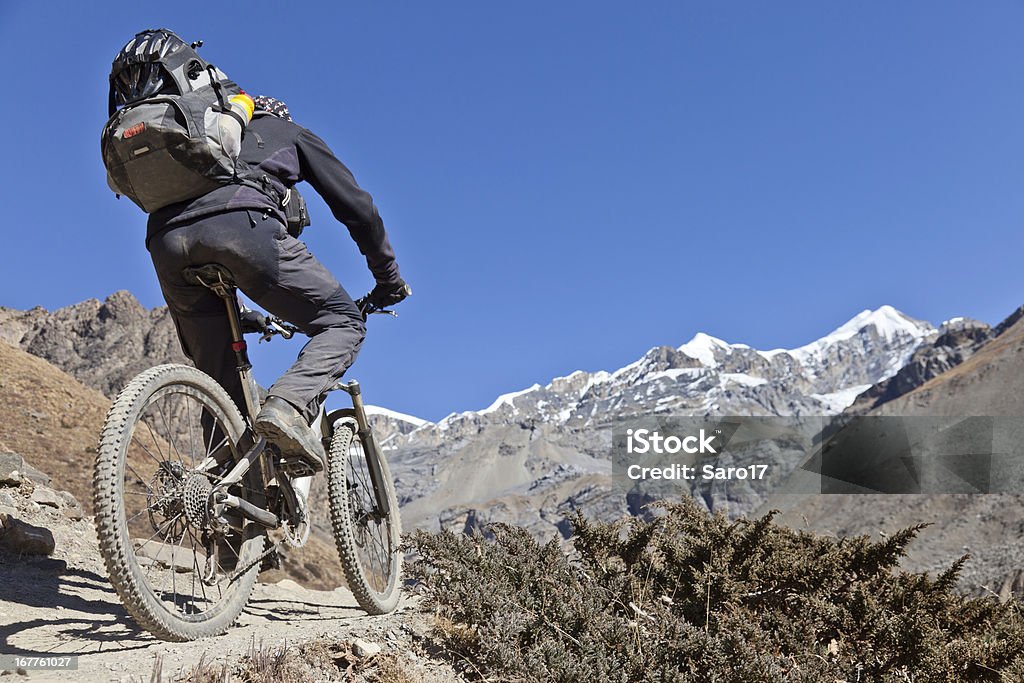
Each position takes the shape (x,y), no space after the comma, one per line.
(317,660)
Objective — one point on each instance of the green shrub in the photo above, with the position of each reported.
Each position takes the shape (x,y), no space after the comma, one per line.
(695,597)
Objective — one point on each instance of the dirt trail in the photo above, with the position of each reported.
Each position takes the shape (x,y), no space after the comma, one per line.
(64,604)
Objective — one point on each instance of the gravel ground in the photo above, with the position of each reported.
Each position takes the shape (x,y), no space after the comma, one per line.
(64,604)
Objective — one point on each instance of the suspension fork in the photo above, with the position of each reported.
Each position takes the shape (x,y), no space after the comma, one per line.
(365,436)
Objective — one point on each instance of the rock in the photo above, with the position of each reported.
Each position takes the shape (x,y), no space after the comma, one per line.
(288,585)
(73,513)
(11,465)
(26,539)
(6,512)
(365,649)
(68,500)
(34,475)
(418,628)
(6,499)
(45,496)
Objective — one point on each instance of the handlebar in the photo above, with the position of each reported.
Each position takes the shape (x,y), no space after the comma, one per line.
(268,326)
(368,309)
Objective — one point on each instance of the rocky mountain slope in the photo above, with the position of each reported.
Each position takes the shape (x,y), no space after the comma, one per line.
(956,341)
(102,344)
(989,382)
(535,455)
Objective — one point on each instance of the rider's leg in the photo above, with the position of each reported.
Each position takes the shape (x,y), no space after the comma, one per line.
(334,326)
(278,273)
(200,319)
(298,288)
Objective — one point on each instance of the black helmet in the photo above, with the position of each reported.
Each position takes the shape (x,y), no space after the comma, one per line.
(138,70)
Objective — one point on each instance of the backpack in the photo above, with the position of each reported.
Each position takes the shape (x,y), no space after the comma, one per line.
(175,146)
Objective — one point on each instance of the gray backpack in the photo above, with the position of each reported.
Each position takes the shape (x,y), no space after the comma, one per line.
(184,140)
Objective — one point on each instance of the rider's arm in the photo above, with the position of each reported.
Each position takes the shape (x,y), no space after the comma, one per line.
(349,203)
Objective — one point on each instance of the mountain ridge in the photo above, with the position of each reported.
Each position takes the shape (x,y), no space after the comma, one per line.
(704,350)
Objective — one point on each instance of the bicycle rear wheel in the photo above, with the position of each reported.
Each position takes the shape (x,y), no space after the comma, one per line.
(168,438)
(368,539)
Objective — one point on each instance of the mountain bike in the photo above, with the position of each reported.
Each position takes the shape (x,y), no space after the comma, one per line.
(190,502)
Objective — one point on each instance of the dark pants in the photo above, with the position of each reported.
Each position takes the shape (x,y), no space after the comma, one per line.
(277,272)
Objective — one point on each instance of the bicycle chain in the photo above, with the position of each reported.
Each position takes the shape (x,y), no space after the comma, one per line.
(264,555)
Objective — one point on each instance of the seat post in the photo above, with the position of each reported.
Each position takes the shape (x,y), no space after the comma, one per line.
(218,279)
(240,348)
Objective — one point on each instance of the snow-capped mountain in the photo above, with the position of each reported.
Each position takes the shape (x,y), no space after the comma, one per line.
(709,376)
(550,442)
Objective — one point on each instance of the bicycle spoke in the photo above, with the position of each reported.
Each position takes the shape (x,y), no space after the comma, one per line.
(151,512)
(157,460)
(139,477)
(168,521)
(156,441)
(170,433)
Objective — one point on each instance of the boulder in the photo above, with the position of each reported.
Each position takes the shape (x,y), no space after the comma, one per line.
(35,476)
(25,539)
(45,496)
(70,506)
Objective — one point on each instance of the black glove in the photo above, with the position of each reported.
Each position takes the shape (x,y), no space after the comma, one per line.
(253,321)
(384,295)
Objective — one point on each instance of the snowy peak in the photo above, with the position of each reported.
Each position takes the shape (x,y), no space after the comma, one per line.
(395,415)
(887,321)
(508,400)
(704,347)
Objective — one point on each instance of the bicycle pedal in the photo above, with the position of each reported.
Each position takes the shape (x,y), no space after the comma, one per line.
(274,560)
(295,467)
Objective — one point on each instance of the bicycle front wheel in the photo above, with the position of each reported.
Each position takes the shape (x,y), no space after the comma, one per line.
(167,440)
(368,537)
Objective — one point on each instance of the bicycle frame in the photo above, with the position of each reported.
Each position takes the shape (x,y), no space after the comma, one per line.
(355,416)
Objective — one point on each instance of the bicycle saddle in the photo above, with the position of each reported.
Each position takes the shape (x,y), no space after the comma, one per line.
(209,275)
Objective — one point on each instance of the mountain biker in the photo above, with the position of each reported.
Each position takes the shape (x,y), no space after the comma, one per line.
(243,229)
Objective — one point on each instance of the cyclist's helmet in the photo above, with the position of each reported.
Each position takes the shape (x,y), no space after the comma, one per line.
(139,69)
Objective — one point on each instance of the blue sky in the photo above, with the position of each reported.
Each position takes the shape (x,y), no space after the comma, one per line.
(568,184)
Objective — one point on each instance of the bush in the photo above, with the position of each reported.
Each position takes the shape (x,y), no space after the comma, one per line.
(695,597)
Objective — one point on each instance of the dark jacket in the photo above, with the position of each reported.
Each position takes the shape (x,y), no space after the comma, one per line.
(288,153)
